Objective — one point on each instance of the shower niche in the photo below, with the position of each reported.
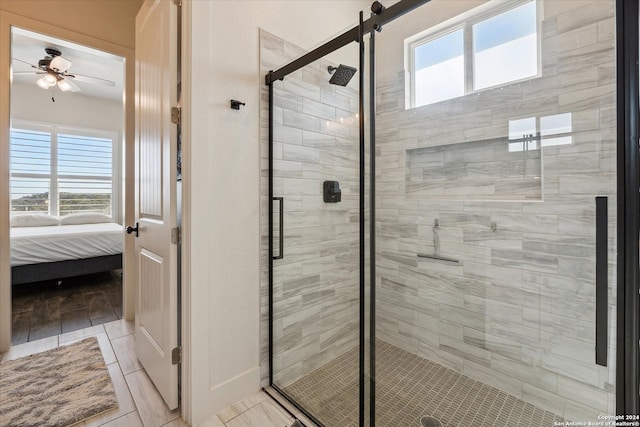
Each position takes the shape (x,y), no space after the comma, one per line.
(489,169)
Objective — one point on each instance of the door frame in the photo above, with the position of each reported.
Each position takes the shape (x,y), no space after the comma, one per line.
(185,382)
(8,20)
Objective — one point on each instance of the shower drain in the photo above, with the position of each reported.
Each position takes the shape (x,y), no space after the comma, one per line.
(430,422)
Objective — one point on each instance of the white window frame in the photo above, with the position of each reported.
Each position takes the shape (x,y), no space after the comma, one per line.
(465,21)
(54,130)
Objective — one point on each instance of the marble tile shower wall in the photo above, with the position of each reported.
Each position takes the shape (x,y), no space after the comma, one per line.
(475,170)
(518,311)
(316,283)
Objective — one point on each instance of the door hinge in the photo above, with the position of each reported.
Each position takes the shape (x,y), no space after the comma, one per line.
(177,3)
(176,237)
(176,355)
(176,115)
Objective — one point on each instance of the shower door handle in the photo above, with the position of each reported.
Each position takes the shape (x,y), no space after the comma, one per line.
(602,283)
(280,201)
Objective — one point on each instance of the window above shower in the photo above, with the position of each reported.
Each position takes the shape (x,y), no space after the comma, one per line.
(490,46)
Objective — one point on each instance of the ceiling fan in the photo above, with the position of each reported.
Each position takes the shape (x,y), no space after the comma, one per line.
(54,70)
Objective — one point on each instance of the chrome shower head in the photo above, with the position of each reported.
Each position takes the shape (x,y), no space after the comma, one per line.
(341,74)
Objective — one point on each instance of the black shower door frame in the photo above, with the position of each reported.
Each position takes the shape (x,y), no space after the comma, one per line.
(628,200)
(628,170)
(355,34)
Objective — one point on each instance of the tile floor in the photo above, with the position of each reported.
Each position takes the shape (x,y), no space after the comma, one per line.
(45,309)
(329,392)
(408,388)
(139,404)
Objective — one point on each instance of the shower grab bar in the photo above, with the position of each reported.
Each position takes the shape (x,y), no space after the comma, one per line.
(602,285)
(439,258)
(280,255)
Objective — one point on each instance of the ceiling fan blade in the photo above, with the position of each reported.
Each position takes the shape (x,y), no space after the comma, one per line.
(60,64)
(92,80)
(28,72)
(25,62)
(68,85)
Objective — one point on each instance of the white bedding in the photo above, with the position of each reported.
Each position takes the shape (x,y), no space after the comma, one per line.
(34,245)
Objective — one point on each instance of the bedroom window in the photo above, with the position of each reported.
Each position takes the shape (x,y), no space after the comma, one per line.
(60,171)
(487,47)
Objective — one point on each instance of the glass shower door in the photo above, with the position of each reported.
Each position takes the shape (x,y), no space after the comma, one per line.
(496,214)
(315,314)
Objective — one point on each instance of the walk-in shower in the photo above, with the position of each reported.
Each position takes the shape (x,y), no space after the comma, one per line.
(480,268)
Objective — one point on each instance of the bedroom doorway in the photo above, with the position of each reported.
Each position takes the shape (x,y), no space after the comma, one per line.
(66,193)
(65,186)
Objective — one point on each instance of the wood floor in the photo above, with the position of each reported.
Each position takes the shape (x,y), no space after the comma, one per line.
(46,309)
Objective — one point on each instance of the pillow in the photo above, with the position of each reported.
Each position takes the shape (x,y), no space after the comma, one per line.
(85,218)
(34,220)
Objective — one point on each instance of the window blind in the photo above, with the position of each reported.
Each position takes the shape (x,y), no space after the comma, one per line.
(30,159)
(61,172)
(85,174)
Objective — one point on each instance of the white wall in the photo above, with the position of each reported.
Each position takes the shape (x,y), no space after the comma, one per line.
(222,171)
(29,102)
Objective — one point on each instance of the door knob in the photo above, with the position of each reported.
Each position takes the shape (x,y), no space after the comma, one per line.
(131,229)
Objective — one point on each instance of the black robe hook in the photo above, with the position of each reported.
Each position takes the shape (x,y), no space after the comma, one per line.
(235,105)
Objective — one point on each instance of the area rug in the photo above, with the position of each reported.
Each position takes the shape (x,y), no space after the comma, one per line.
(58,387)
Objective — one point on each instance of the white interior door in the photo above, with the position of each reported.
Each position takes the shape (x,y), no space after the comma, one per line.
(156,142)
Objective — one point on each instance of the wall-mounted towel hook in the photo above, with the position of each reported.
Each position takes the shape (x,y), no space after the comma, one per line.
(235,105)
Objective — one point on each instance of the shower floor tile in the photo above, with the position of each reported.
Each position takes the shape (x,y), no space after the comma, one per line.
(408,388)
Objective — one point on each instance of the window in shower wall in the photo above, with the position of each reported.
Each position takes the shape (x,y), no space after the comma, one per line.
(482,49)
(439,68)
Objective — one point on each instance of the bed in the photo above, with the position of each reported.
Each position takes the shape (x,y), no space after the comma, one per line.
(60,251)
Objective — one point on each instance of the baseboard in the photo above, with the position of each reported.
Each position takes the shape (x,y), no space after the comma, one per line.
(227,393)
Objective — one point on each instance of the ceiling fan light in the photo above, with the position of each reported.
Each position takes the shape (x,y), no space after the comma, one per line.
(50,79)
(64,85)
(43,83)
